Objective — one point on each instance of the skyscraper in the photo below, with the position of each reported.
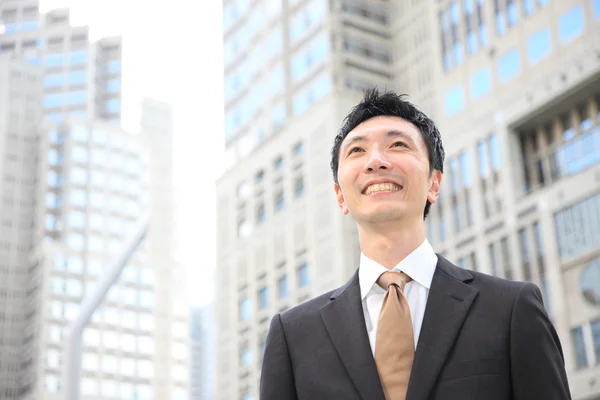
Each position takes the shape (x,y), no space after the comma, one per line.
(518,90)
(74,188)
(292,70)
(20,96)
(514,89)
(82,80)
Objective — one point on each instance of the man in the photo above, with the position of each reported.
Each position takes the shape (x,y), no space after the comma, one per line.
(409,324)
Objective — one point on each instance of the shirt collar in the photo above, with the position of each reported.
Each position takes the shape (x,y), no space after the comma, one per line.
(420,265)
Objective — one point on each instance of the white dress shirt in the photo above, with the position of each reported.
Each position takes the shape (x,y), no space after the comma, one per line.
(419,265)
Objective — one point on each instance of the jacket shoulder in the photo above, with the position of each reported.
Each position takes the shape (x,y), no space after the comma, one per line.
(499,288)
(307,308)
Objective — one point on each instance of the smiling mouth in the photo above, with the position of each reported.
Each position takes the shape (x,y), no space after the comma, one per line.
(382,187)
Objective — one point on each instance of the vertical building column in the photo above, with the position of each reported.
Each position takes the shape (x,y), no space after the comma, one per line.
(558,309)
(511,176)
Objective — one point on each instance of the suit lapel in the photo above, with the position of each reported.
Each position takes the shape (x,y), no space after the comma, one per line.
(448,303)
(344,319)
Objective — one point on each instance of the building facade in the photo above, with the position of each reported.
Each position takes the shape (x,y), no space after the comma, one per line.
(101,182)
(74,185)
(292,70)
(20,95)
(519,96)
(202,353)
(514,89)
(82,79)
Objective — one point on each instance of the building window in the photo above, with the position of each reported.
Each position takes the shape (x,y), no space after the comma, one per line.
(261,215)
(276,80)
(244,228)
(303,276)
(246,357)
(454,101)
(113,66)
(483,36)
(299,187)
(525,254)
(500,18)
(279,200)
(75,242)
(278,163)
(581,359)
(506,262)
(539,46)
(113,86)
(578,227)
(80,154)
(113,106)
(509,66)
(482,155)
(77,219)
(306,19)
(52,385)
(571,24)
(52,201)
(245,309)
(282,287)
(147,299)
(263,298)
(596,9)
(75,98)
(446,51)
(305,61)
(146,322)
(493,260)
(595,327)
(495,152)
(307,97)
(260,176)
(481,83)
(53,100)
(78,57)
(79,176)
(513,12)
(76,77)
(454,175)
(278,117)
(590,283)
(74,288)
(146,345)
(127,368)
(528,6)
(298,149)
(53,80)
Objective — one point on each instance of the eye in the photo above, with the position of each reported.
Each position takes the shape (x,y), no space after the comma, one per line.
(398,144)
(355,150)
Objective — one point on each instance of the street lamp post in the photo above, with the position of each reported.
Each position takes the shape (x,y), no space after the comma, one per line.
(90,304)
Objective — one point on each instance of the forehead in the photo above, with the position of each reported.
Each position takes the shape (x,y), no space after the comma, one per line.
(378,128)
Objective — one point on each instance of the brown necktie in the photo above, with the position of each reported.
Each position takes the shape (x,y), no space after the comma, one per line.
(394,343)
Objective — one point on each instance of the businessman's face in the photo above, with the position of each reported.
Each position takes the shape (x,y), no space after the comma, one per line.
(384,172)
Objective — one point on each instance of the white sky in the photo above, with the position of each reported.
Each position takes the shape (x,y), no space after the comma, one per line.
(173,52)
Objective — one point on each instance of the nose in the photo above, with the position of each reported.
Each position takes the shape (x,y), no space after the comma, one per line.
(377,161)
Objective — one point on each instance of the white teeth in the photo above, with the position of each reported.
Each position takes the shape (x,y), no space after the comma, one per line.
(382,187)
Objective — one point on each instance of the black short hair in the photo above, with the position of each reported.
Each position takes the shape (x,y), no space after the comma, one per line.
(388,103)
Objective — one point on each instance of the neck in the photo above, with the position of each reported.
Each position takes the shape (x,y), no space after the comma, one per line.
(390,243)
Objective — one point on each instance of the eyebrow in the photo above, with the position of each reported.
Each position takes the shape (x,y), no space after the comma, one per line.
(390,134)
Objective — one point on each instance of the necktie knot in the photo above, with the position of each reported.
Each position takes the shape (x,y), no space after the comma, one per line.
(393,278)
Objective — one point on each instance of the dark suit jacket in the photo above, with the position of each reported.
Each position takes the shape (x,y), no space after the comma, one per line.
(482,338)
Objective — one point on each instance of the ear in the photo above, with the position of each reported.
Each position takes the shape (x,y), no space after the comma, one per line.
(340,198)
(434,186)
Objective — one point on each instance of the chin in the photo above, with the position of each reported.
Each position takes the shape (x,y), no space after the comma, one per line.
(384,214)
